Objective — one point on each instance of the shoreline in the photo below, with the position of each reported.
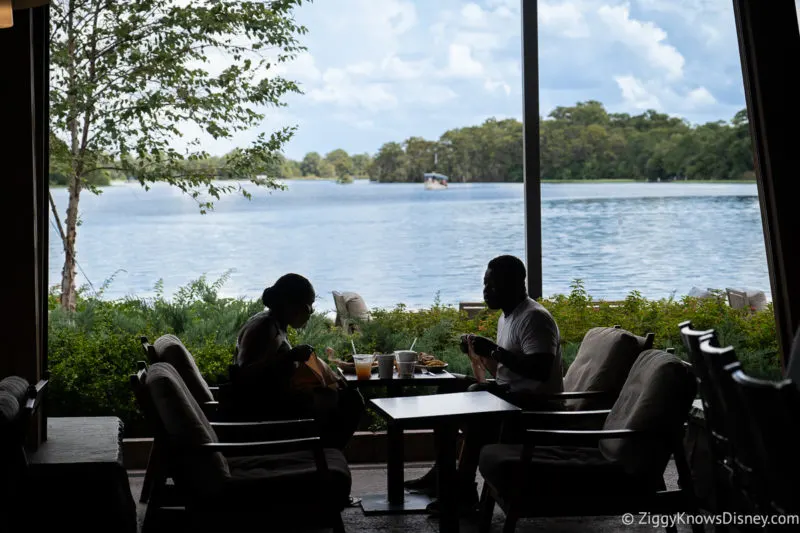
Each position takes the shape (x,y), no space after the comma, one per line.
(547,181)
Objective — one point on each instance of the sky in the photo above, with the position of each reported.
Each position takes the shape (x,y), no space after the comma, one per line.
(384,70)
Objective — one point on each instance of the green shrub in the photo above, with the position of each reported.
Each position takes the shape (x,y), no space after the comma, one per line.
(93,350)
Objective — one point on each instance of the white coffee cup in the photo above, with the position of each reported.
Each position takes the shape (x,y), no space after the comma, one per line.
(405,356)
(386,366)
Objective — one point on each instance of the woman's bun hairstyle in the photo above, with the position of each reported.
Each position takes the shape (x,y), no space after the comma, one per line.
(268,297)
(289,287)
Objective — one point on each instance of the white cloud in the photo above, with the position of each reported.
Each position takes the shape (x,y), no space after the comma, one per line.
(649,94)
(700,97)
(644,38)
(494,85)
(635,94)
(363,68)
(339,88)
(302,69)
(461,64)
(565,19)
(381,70)
(394,68)
(429,94)
(474,15)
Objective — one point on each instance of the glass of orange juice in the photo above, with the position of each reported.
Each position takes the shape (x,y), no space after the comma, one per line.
(363,365)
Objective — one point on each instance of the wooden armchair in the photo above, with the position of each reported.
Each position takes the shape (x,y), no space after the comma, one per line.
(746,483)
(618,469)
(750,427)
(170,349)
(772,412)
(284,479)
(19,402)
(716,428)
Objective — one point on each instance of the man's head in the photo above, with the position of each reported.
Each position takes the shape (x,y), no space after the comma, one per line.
(504,282)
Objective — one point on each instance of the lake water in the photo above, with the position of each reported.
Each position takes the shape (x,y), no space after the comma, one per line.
(399,243)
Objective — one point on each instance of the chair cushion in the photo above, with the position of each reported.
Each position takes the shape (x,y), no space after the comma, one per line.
(285,480)
(9,408)
(186,427)
(170,349)
(17,387)
(656,397)
(559,478)
(604,359)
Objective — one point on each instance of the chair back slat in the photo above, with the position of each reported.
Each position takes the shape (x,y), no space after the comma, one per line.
(720,363)
(772,414)
(712,409)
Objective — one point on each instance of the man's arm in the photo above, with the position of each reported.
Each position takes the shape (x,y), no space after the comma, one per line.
(532,366)
(538,340)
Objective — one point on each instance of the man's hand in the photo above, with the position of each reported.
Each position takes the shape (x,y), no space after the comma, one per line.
(301,353)
(482,346)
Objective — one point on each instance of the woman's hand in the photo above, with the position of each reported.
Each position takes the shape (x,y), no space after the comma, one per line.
(301,353)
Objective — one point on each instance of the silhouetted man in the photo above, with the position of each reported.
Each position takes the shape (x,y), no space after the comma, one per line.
(525,360)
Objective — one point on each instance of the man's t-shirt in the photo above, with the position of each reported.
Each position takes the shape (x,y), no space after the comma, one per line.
(530,329)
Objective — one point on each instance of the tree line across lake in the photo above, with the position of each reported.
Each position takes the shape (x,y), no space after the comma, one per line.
(580,142)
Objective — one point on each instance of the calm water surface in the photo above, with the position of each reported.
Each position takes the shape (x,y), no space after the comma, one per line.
(399,243)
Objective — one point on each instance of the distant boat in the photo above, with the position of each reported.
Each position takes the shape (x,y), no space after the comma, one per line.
(435,182)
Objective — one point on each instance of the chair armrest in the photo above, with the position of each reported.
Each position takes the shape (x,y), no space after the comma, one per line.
(35,395)
(234,449)
(566,414)
(575,395)
(210,408)
(576,437)
(264,431)
(563,419)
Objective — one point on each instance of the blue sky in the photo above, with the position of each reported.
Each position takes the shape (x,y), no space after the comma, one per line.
(383,70)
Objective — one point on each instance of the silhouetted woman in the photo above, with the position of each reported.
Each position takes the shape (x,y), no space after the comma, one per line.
(267,364)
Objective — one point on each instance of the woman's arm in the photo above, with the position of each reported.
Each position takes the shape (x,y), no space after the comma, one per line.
(266,358)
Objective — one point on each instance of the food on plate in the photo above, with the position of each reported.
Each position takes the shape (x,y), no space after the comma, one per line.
(423,357)
(435,362)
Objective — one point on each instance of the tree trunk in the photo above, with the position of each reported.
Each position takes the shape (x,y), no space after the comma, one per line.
(68,286)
